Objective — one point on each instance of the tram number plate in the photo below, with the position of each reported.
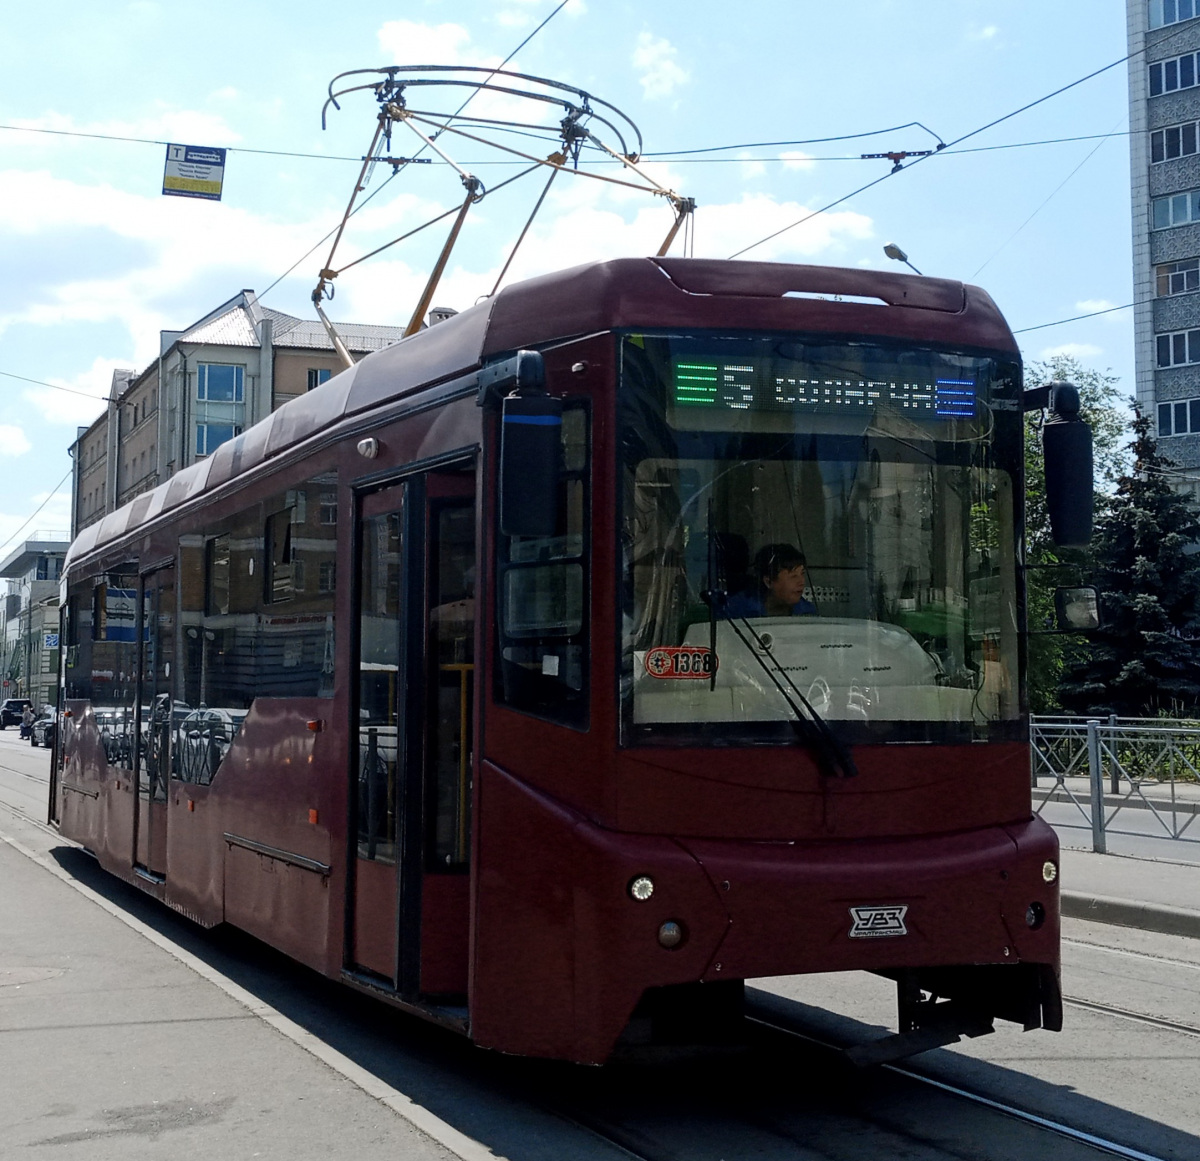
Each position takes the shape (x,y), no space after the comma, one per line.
(878,922)
(672,662)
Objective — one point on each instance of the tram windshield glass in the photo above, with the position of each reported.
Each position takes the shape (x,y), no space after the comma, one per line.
(811,523)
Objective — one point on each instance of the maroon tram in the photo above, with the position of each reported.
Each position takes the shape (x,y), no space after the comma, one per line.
(462,679)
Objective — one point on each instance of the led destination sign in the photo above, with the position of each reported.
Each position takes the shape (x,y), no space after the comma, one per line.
(756,385)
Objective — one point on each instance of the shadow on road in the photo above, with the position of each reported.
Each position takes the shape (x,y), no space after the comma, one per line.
(806,1095)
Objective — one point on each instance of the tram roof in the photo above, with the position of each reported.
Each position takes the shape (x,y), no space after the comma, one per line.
(649,293)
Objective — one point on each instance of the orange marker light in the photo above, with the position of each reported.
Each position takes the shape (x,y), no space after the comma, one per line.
(312,817)
(316,726)
(191,805)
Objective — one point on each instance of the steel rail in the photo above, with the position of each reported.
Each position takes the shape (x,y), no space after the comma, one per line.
(1058,1128)
(1159,959)
(1129,1014)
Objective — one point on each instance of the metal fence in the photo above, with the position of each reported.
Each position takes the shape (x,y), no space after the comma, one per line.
(1137,777)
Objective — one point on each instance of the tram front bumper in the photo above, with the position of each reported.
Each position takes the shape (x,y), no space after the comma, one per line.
(563,948)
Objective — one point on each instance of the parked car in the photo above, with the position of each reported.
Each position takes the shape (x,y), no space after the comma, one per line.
(44,728)
(11,711)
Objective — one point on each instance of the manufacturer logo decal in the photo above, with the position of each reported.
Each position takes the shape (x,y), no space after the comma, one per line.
(878,922)
(670,662)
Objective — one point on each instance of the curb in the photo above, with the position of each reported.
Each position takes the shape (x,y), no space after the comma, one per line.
(1115,802)
(1126,913)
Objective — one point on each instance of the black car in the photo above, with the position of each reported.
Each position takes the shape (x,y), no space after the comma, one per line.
(42,731)
(11,711)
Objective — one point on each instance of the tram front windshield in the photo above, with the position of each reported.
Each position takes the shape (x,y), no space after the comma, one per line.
(811,526)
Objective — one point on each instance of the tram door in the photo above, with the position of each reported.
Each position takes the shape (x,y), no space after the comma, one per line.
(408,918)
(152,767)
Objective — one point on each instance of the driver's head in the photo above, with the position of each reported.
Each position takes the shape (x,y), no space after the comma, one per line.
(782,570)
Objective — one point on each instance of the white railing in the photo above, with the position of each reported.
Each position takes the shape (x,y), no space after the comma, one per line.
(1106,766)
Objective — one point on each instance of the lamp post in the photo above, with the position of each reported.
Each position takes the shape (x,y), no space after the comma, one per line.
(897,255)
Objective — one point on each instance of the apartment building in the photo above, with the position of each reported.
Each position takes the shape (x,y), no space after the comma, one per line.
(222,374)
(1164,114)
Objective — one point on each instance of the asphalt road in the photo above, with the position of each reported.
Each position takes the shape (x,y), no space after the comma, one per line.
(126,1032)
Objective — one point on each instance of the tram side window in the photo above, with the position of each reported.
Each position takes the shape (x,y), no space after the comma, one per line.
(265,619)
(216,575)
(279,579)
(114,651)
(77,658)
(543,598)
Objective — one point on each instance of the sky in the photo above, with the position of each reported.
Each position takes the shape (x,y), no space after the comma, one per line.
(96,261)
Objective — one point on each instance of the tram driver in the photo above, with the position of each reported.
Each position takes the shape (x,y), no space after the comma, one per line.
(779,577)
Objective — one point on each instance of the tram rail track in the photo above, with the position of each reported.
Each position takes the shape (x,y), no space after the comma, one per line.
(1129,1014)
(629,1141)
(1101,1145)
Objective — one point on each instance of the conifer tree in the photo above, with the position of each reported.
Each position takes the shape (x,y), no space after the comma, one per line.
(1104,412)
(1145,659)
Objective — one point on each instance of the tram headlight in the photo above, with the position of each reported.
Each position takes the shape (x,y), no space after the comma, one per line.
(670,934)
(1035,916)
(641,888)
(1049,871)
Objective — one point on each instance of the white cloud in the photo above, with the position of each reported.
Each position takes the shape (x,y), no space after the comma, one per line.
(161,122)
(796,159)
(723,229)
(55,516)
(751,168)
(654,58)
(84,397)
(13,441)
(1072,351)
(179,242)
(987,32)
(1095,305)
(408,42)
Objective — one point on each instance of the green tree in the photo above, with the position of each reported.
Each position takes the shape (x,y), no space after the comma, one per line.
(1145,660)
(1101,409)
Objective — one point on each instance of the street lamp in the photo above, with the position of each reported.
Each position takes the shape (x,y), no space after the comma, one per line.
(897,255)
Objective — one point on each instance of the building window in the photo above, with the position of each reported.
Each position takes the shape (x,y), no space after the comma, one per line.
(1177,73)
(210,436)
(1177,277)
(220,383)
(317,376)
(1182,417)
(327,577)
(1163,12)
(1176,141)
(328,507)
(1177,210)
(1179,348)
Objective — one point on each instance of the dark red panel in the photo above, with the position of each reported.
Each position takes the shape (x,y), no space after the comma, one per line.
(375,920)
(445,933)
(561,952)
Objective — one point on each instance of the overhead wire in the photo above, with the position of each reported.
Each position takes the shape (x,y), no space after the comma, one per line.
(803,141)
(900,168)
(601,160)
(1042,204)
(38,510)
(56,386)
(1077,317)
(352,209)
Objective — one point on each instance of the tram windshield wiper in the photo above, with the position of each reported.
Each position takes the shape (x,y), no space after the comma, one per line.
(809,725)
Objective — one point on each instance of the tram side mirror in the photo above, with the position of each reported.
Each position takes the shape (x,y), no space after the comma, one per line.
(530,463)
(1076,610)
(1067,459)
